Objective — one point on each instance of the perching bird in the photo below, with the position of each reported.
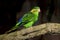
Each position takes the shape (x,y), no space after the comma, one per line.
(28,19)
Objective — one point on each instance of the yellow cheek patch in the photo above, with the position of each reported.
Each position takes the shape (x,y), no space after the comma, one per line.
(33,10)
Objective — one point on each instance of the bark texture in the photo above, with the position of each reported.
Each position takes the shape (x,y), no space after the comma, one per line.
(32,32)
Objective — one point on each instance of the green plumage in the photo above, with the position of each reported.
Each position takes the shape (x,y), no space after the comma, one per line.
(28,19)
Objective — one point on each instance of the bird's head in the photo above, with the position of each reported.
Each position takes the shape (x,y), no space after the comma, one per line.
(35,10)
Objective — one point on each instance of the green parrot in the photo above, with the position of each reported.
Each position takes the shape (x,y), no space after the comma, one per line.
(28,19)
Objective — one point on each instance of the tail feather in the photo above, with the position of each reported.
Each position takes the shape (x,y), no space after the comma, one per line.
(16,26)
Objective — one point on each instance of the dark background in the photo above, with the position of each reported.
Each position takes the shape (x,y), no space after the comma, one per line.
(8,11)
(11,10)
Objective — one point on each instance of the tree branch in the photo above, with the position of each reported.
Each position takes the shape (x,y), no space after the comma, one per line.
(32,32)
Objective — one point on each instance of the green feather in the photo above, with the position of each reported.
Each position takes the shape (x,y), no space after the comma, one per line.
(28,19)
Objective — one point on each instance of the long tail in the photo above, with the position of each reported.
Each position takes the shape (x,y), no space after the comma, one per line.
(16,26)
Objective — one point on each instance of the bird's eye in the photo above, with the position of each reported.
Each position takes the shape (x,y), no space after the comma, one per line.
(33,10)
